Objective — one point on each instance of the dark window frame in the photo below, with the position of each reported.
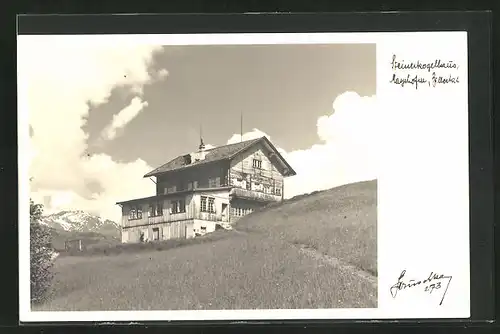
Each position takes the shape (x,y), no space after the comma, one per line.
(257,163)
(207,204)
(177,206)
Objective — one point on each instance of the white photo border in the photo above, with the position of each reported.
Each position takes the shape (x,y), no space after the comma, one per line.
(423,183)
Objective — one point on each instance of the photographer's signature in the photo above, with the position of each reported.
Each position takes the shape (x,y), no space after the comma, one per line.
(433,282)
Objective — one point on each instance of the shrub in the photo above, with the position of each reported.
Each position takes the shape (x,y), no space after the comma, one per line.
(41,253)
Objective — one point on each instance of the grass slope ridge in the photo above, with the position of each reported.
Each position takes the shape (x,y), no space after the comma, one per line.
(340,222)
(304,253)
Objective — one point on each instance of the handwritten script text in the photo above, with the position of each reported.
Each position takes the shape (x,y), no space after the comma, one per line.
(418,73)
(433,282)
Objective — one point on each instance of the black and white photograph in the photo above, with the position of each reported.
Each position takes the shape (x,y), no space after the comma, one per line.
(204,177)
(233,176)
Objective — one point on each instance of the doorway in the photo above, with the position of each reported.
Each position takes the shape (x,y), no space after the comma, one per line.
(224,212)
(156,233)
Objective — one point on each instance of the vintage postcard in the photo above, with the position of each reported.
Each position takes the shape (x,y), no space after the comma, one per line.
(243,176)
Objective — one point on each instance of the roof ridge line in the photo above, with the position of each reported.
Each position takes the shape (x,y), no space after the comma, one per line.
(157,169)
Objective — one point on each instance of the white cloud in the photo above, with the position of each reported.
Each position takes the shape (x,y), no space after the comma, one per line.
(60,80)
(254,134)
(346,152)
(123,117)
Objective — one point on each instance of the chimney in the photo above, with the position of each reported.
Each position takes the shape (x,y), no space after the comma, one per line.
(202,145)
(200,155)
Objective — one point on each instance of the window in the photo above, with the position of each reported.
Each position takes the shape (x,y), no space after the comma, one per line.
(203,204)
(159,209)
(240,212)
(257,186)
(155,210)
(211,205)
(178,206)
(257,163)
(278,191)
(207,204)
(135,213)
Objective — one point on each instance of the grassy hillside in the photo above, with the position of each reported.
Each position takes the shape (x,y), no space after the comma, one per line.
(317,251)
(340,222)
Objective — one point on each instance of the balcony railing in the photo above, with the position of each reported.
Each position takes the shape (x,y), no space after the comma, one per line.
(254,195)
(170,218)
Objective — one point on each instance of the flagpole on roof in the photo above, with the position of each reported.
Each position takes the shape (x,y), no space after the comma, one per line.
(202,145)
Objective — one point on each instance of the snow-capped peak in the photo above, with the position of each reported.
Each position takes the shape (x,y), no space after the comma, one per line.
(79,221)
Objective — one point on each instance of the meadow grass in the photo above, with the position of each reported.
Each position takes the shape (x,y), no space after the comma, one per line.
(261,268)
(244,272)
(340,222)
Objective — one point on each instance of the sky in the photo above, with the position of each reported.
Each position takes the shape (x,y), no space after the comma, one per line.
(101,117)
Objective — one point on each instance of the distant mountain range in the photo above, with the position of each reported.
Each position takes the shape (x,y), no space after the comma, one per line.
(80,221)
(78,224)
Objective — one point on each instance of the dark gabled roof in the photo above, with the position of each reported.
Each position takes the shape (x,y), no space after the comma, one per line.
(212,155)
(225,152)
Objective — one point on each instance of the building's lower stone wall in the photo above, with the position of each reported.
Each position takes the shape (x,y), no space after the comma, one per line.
(166,231)
(157,232)
(204,226)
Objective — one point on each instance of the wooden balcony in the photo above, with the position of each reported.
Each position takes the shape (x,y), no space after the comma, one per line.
(170,218)
(253,195)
